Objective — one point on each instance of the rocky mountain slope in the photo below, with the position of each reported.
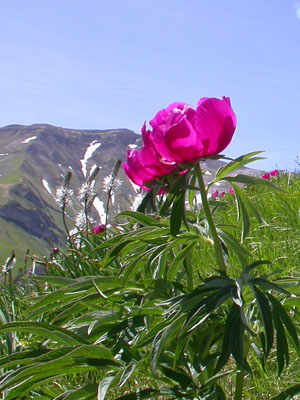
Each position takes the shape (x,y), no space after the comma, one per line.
(33,163)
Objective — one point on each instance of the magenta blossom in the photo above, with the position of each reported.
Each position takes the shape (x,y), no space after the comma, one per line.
(231,191)
(99,229)
(274,172)
(222,194)
(215,194)
(181,135)
(144,166)
(266,176)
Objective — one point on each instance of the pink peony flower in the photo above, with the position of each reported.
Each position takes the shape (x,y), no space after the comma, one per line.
(266,176)
(144,166)
(274,172)
(231,191)
(99,229)
(179,135)
(215,194)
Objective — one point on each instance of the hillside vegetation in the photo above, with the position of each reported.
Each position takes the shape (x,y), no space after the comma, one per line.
(141,310)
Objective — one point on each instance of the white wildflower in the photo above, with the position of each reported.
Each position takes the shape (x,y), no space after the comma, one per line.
(64,196)
(86,191)
(109,183)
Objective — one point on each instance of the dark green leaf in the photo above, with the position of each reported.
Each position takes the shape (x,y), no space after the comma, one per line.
(177,376)
(142,394)
(177,213)
(250,267)
(266,316)
(288,394)
(285,319)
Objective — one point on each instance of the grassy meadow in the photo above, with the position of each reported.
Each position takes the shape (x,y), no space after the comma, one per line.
(142,310)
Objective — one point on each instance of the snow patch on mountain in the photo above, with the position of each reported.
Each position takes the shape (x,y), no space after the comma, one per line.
(46,186)
(98,204)
(29,139)
(87,155)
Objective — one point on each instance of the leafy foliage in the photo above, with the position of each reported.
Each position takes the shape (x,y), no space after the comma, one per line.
(173,301)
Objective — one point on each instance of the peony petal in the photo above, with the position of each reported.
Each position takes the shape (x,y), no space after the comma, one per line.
(216,123)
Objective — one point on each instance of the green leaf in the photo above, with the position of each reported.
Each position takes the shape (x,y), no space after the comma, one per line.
(167,204)
(142,394)
(235,246)
(242,212)
(161,339)
(266,316)
(80,288)
(128,371)
(236,164)
(237,342)
(86,358)
(178,376)
(51,332)
(141,218)
(227,345)
(285,319)
(288,394)
(282,344)
(84,393)
(255,264)
(191,192)
(178,261)
(251,180)
(104,386)
(269,285)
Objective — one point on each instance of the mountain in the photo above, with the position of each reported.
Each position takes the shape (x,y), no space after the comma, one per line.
(34,161)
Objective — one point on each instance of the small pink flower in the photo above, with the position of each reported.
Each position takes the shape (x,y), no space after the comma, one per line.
(215,194)
(55,250)
(266,176)
(222,194)
(231,191)
(99,229)
(274,172)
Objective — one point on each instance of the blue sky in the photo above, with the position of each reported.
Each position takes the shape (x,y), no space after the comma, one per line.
(113,64)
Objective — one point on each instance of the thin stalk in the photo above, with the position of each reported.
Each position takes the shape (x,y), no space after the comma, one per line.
(63,210)
(211,224)
(239,382)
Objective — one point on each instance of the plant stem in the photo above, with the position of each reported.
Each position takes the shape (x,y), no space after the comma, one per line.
(239,381)
(211,224)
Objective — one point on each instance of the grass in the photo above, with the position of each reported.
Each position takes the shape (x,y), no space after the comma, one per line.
(11,233)
(276,239)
